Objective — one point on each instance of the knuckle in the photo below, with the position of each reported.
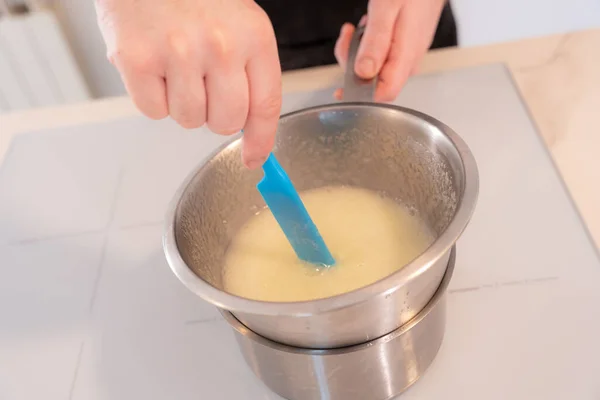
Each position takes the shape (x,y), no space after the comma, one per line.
(136,57)
(270,107)
(219,44)
(179,45)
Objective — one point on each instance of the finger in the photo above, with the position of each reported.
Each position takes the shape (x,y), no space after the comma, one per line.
(396,69)
(227,91)
(264,81)
(343,44)
(375,44)
(392,78)
(185,90)
(413,32)
(363,20)
(187,98)
(147,92)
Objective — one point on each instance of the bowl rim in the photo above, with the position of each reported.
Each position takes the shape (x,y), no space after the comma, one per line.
(383,287)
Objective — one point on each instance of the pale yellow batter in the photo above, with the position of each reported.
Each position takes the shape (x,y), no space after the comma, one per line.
(368,235)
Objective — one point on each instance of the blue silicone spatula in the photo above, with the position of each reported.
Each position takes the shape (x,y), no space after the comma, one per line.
(289,211)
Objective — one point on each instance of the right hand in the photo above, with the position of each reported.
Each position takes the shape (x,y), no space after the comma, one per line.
(199,61)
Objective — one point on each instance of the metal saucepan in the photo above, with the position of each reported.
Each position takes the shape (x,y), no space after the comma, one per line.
(377,370)
(404,154)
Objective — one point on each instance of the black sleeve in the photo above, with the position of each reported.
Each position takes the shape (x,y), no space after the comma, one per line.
(307,30)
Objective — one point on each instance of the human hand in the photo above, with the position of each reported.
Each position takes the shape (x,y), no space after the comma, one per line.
(199,61)
(397,35)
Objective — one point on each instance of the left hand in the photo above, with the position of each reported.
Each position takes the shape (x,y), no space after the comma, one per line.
(398,33)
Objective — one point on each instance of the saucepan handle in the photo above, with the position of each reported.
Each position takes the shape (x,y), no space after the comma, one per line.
(356,88)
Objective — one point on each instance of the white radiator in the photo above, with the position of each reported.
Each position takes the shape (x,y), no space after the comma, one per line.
(37,68)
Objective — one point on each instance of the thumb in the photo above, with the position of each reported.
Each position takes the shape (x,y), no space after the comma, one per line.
(376,42)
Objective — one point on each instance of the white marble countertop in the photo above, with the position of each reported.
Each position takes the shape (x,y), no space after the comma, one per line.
(557,76)
(91,311)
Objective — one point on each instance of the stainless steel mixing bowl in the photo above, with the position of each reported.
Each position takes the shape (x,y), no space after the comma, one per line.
(401,153)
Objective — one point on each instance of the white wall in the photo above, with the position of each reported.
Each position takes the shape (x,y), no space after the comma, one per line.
(490,21)
(480,22)
(78,19)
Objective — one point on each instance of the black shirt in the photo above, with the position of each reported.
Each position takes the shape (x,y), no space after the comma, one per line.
(307,30)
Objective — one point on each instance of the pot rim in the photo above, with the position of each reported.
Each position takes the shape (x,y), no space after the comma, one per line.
(383,287)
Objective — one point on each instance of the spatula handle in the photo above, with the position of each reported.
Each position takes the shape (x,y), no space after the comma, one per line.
(356,88)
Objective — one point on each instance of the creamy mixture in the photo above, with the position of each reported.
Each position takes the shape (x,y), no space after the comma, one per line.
(368,235)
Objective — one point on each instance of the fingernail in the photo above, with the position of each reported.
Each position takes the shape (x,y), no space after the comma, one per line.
(363,21)
(366,68)
(344,28)
(253,164)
